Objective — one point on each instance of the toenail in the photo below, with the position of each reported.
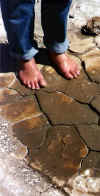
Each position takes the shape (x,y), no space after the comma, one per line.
(78,72)
(29,85)
(37,88)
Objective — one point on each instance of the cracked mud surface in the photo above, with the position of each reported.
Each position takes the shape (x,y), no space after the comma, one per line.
(55,131)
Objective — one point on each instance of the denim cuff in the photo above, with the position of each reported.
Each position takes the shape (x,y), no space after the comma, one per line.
(27,56)
(58,47)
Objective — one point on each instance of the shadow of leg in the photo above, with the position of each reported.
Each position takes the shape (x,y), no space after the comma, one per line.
(7,64)
(42,57)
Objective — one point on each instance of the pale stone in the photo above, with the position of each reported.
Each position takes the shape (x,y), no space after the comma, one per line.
(40,66)
(7,95)
(20,151)
(53,192)
(82,11)
(20,110)
(94,25)
(6,79)
(92,64)
(85,183)
(97,41)
(80,43)
(78,193)
(2,29)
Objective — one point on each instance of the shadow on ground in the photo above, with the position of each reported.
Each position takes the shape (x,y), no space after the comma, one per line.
(8,64)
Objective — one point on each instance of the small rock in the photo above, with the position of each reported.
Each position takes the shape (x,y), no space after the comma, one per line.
(92,27)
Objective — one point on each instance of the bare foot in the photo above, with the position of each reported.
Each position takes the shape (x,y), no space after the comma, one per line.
(30,75)
(66,66)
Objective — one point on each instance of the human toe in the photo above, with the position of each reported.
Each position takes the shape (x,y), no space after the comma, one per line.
(32,85)
(28,84)
(78,72)
(68,75)
(74,73)
(42,82)
(37,85)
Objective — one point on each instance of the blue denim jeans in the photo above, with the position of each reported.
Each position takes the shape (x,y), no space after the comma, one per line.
(18,18)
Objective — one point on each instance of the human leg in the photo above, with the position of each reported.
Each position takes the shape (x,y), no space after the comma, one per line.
(54,23)
(19,23)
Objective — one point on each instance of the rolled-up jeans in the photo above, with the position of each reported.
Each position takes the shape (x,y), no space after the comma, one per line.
(18,16)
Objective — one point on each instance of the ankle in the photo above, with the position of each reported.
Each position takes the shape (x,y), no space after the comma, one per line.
(52,53)
(27,61)
(27,64)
